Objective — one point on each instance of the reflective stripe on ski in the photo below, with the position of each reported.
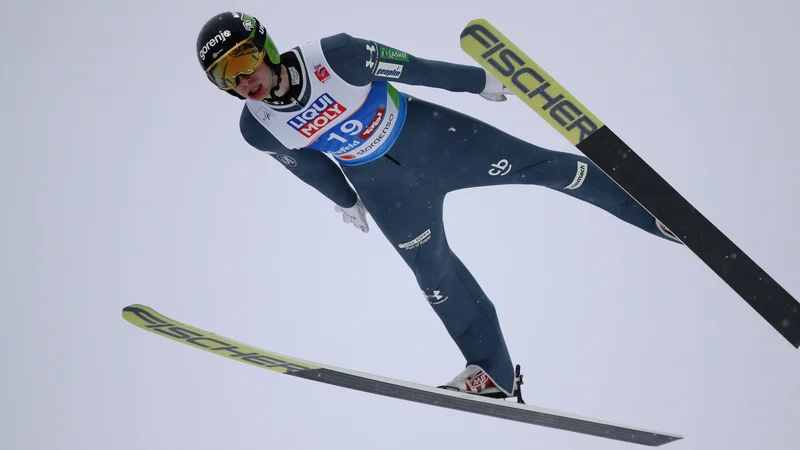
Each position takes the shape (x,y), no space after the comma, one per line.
(148,319)
(543,94)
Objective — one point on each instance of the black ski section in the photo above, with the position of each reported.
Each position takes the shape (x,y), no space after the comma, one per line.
(497,408)
(727,260)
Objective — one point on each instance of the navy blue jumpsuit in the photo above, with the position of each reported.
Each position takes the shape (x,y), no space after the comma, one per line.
(439,151)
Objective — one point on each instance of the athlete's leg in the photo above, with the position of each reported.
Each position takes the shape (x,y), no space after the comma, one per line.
(408,211)
(465,152)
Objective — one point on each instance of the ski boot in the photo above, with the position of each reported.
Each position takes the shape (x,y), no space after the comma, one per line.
(474,380)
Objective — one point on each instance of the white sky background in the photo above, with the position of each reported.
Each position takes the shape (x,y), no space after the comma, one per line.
(124,180)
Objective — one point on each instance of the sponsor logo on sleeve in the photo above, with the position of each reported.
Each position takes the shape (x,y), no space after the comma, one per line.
(392,54)
(287,160)
(373,52)
(389,70)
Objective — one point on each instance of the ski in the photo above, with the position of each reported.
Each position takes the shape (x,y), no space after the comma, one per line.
(150,320)
(543,94)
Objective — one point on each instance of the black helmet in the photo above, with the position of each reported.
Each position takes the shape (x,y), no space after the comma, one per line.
(227,30)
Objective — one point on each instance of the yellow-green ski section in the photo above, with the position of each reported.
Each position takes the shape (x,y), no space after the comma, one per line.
(528,81)
(148,319)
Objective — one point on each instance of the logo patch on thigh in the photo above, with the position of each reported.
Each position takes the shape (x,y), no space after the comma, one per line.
(417,241)
(580,176)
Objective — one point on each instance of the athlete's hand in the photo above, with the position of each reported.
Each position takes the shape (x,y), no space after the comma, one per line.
(494,90)
(356,215)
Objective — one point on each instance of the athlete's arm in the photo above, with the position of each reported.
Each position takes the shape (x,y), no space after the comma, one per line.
(360,61)
(311,166)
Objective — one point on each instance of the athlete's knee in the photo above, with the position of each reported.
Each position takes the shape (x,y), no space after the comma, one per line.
(556,170)
(431,268)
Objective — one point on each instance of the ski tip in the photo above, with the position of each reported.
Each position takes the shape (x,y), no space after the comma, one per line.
(469,27)
(134,311)
(134,307)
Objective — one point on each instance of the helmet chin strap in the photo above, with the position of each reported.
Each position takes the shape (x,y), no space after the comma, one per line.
(276,68)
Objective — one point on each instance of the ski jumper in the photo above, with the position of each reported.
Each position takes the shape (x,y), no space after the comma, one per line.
(403,155)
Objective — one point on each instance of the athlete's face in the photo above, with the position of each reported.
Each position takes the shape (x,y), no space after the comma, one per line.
(257,85)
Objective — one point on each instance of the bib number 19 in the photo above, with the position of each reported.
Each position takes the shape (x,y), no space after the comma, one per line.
(351,127)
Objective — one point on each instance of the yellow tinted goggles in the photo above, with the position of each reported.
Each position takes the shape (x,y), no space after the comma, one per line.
(243,59)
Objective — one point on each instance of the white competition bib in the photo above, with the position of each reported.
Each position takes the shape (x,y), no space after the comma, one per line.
(355,124)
